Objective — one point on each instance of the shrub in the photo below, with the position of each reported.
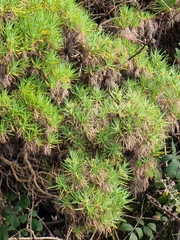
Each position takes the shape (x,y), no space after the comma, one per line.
(93,193)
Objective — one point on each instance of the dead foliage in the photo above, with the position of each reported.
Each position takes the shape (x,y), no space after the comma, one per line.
(74,47)
(5,79)
(105,77)
(141,181)
(58,94)
(101,10)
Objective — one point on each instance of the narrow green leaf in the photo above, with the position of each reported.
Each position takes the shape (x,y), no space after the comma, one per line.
(126,227)
(173,147)
(133,236)
(139,232)
(152,226)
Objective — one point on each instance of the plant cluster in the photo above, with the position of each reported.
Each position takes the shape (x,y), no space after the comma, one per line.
(130,16)
(74,94)
(111,120)
(163,5)
(32,72)
(94,190)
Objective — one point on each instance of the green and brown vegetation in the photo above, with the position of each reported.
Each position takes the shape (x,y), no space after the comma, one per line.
(89,118)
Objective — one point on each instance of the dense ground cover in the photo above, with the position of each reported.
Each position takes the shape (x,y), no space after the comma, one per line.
(89,118)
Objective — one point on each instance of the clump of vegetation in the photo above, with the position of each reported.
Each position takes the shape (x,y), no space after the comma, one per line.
(82,107)
(163,5)
(93,190)
(130,16)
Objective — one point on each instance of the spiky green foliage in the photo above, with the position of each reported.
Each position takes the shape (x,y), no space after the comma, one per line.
(94,189)
(163,86)
(33,37)
(130,16)
(112,120)
(69,85)
(163,5)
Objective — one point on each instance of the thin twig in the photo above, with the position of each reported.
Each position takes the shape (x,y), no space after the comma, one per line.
(68,233)
(43,223)
(143,218)
(137,221)
(140,50)
(29,222)
(163,209)
(162,229)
